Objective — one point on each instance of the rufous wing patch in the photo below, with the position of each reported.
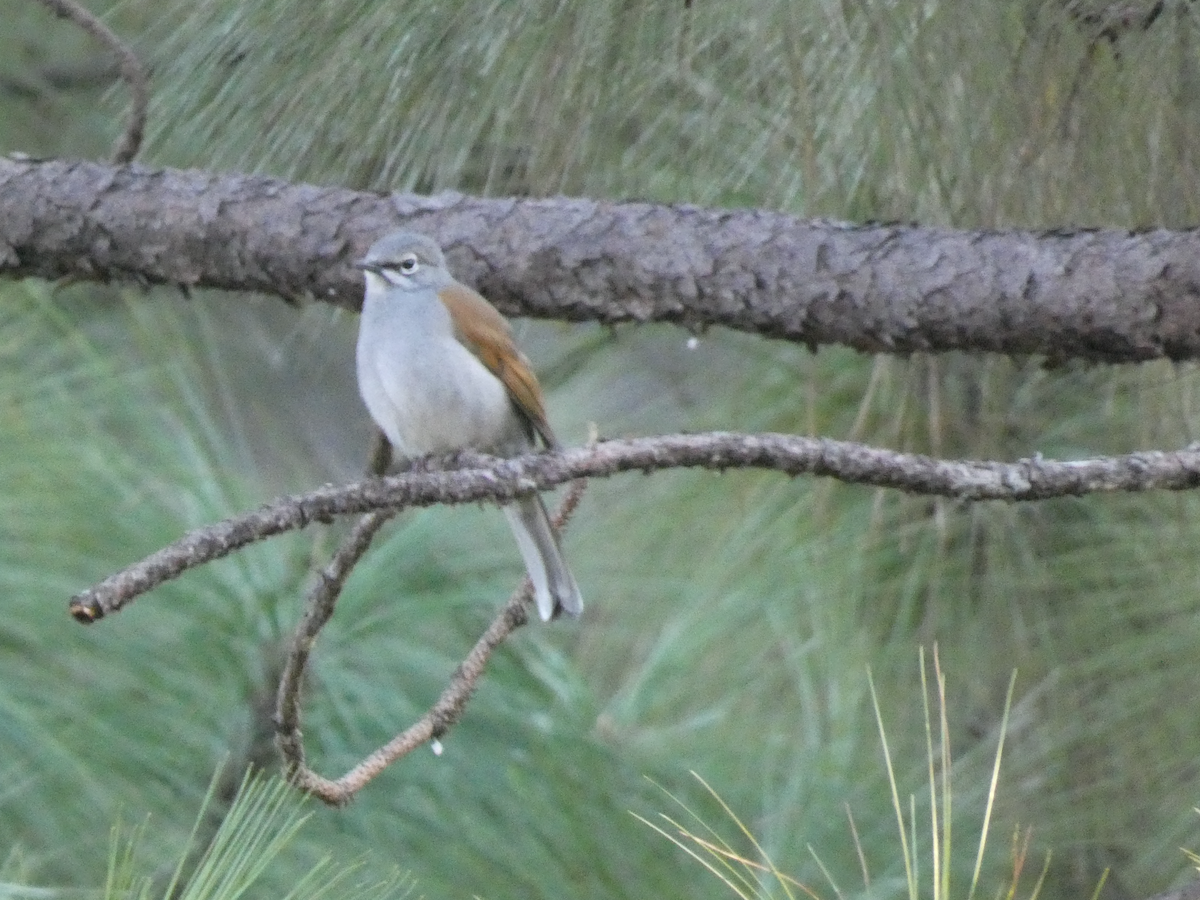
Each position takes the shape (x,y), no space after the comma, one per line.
(487,334)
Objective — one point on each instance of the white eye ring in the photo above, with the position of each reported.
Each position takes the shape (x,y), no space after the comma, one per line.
(408,264)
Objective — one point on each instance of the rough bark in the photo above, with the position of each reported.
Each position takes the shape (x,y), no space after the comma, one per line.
(1103,295)
(969,480)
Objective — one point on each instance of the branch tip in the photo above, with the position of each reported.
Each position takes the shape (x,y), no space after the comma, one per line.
(84,612)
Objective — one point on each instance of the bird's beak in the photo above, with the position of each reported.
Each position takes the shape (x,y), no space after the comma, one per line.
(365,266)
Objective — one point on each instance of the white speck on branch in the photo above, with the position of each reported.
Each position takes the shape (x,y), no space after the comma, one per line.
(469,477)
(438,720)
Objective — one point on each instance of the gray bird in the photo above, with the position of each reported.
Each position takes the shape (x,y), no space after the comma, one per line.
(439,371)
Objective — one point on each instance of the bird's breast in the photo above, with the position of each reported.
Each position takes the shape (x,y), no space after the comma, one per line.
(429,394)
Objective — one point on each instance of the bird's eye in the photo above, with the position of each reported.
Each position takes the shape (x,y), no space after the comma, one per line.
(408,263)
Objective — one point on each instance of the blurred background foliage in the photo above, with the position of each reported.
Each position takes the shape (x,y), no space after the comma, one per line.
(732,618)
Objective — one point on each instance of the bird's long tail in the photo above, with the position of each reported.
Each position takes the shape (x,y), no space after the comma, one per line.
(554,586)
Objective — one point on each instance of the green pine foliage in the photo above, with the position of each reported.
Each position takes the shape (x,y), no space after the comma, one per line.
(238,857)
(732,619)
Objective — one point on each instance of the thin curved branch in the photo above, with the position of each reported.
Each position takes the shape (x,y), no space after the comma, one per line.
(318,608)
(444,713)
(478,477)
(132,71)
(440,717)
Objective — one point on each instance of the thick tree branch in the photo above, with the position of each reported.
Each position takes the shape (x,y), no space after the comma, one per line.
(1105,295)
(482,478)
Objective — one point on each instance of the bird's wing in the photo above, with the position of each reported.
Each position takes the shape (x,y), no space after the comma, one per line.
(481,329)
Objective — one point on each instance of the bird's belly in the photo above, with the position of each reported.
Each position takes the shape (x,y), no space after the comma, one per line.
(437,400)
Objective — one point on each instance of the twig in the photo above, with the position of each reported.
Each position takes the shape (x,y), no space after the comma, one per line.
(482,478)
(318,608)
(132,71)
(440,718)
(321,602)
